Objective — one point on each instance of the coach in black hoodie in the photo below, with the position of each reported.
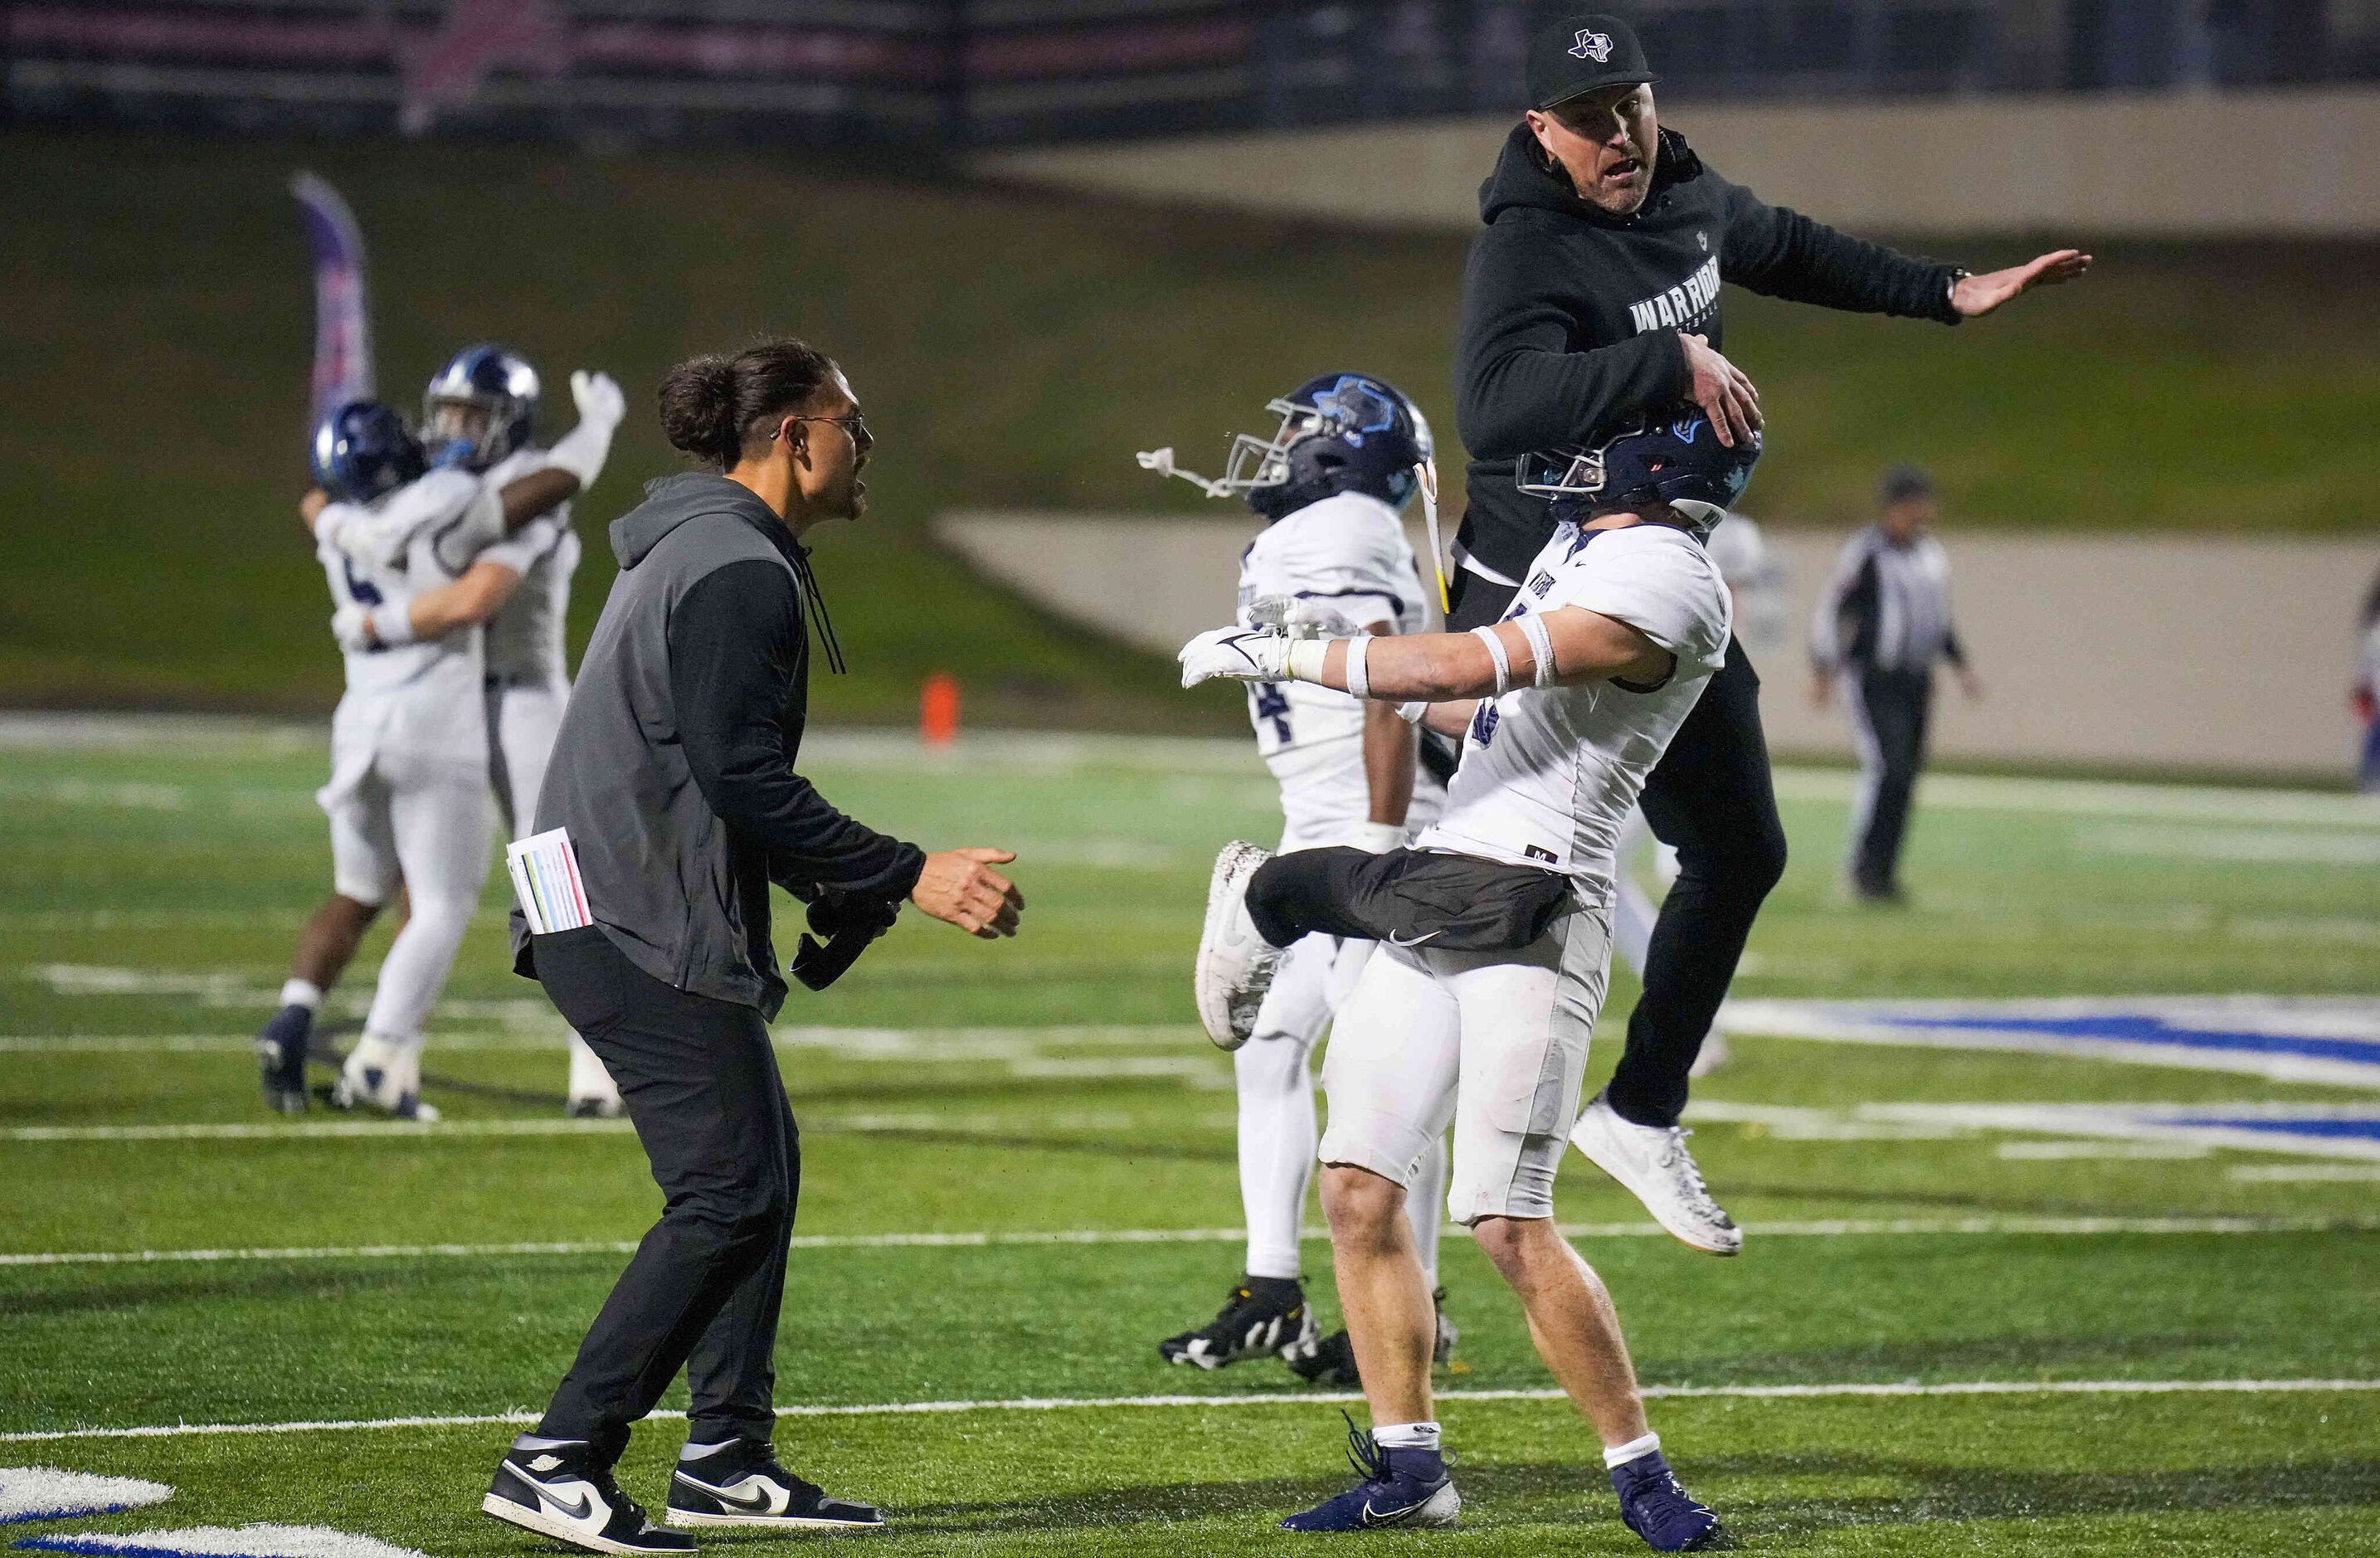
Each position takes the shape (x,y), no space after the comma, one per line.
(1593,299)
(674,775)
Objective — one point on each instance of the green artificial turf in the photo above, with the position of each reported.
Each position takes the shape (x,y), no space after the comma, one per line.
(1012,349)
(1025,1105)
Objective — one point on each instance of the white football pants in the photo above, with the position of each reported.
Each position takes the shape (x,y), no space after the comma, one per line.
(424,819)
(522,722)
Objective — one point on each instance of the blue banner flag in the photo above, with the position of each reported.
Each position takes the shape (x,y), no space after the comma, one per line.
(342,358)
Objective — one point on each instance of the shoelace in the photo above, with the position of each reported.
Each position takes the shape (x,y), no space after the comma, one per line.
(1364,1452)
(1678,1162)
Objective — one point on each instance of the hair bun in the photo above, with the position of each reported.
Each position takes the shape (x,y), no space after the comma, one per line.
(697,406)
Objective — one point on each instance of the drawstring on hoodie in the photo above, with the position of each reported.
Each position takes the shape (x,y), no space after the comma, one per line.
(824,623)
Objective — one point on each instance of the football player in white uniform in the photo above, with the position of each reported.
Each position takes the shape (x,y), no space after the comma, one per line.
(1497,924)
(408,799)
(479,413)
(1349,452)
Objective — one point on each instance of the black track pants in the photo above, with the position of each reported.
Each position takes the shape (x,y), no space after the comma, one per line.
(703,1289)
(1890,709)
(1710,798)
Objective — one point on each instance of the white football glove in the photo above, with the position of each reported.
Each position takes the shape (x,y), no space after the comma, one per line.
(1300,618)
(1241,654)
(598,397)
(360,632)
(584,448)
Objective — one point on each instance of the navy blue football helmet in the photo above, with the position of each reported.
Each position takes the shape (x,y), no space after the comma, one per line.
(1340,433)
(479,408)
(363,450)
(1677,460)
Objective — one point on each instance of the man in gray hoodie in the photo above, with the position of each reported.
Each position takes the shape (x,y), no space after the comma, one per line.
(674,777)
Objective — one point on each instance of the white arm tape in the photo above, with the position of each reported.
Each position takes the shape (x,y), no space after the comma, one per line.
(1413,712)
(1541,646)
(1359,672)
(1305,660)
(392,625)
(1496,652)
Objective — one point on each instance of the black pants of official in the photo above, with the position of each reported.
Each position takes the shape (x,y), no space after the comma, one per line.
(1890,709)
(1711,798)
(702,1291)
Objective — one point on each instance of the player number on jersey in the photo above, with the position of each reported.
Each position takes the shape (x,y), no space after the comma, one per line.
(1271,703)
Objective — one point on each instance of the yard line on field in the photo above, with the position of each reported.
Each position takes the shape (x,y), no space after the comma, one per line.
(958,1045)
(1868,1227)
(2284,1173)
(2093,798)
(1328,1398)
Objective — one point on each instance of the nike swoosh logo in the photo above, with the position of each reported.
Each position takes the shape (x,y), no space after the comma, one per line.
(1396,939)
(1390,1517)
(761,1503)
(582,1509)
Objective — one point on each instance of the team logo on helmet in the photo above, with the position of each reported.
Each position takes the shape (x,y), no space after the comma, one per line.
(1593,45)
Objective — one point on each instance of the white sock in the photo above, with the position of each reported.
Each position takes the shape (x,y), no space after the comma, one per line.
(1406,1436)
(1278,1137)
(303,992)
(1634,1449)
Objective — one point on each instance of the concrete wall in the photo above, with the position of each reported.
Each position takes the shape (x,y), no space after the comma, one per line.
(2180,653)
(2303,161)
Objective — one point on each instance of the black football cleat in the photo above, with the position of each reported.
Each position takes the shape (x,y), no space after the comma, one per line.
(1260,1317)
(281,1055)
(740,1483)
(561,1491)
(1330,1360)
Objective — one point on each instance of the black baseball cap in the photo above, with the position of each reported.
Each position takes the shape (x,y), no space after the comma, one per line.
(1581,52)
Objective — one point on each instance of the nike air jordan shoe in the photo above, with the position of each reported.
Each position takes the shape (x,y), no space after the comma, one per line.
(740,1483)
(560,1489)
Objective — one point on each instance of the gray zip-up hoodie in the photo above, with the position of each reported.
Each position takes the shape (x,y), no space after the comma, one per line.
(674,769)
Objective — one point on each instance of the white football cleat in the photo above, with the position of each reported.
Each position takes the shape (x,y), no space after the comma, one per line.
(1235,965)
(1653,1164)
(383,1076)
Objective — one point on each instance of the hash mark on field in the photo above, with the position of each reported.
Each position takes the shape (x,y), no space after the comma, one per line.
(1906,1228)
(1328,1398)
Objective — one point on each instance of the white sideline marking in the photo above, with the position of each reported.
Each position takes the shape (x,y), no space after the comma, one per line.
(40,1492)
(2284,846)
(1887,1227)
(260,1540)
(2273,1174)
(2053,1152)
(1063,1403)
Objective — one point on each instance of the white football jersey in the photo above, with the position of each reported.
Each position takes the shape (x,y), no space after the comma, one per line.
(1548,774)
(1346,555)
(525,639)
(423,696)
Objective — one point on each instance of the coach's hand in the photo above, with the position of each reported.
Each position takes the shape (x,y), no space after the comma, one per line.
(959,886)
(1719,388)
(1977,296)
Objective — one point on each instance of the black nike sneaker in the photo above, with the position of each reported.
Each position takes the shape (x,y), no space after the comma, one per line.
(1330,1360)
(281,1054)
(1260,1317)
(740,1483)
(561,1491)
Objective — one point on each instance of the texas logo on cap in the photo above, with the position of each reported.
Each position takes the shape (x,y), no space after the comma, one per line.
(1591,44)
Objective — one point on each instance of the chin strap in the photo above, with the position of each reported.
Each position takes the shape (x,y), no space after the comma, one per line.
(1427,471)
(1161,462)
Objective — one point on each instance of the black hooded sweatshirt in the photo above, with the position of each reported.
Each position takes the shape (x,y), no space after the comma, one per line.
(1572,318)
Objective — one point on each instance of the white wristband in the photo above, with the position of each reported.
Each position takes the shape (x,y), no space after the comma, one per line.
(1304,661)
(1541,646)
(1413,712)
(1378,838)
(392,626)
(1359,672)
(1496,652)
